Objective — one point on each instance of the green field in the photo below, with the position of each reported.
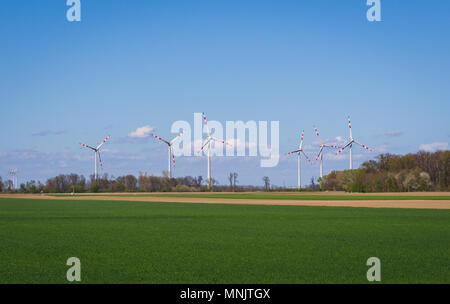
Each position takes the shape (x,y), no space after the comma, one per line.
(284,196)
(137,242)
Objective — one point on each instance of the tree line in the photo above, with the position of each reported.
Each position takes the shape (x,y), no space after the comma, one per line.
(422,171)
(68,183)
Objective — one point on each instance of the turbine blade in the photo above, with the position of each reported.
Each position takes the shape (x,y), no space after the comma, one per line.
(342,149)
(173,158)
(221,141)
(178,136)
(206,123)
(202,148)
(364,146)
(317,133)
(100,159)
(307,158)
(296,151)
(318,155)
(86,146)
(99,146)
(301,140)
(163,140)
(350,127)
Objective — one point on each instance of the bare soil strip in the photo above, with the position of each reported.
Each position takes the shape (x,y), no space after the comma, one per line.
(319,193)
(416,204)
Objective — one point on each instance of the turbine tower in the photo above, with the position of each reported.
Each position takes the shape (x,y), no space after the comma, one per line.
(299,151)
(350,144)
(207,144)
(96,155)
(322,146)
(13,174)
(171,156)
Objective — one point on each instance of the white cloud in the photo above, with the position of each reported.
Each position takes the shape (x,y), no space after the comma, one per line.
(393,133)
(381,149)
(343,155)
(48,132)
(142,132)
(434,146)
(340,139)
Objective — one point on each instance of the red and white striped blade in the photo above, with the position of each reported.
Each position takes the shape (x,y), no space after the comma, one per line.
(103,142)
(301,140)
(203,147)
(206,123)
(161,139)
(317,133)
(178,136)
(100,159)
(307,158)
(221,141)
(340,150)
(181,133)
(173,160)
(364,146)
(350,127)
(292,152)
(106,139)
(318,155)
(86,146)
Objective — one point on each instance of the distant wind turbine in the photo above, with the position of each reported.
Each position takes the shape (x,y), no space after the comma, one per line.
(350,144)
(171,155)
(207,145)
(96,155)
(322,146)
(299,151)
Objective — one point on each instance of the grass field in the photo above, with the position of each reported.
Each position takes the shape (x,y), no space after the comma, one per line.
(284,196)
(135,242)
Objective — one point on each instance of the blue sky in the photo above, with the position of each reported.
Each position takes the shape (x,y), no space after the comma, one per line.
(128,64)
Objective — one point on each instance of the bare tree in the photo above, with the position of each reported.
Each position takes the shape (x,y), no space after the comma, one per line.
(214,182)
(266,180)
(199,181)
(235,176)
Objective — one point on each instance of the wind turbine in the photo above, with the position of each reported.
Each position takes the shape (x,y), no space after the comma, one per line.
(322,146)
(207,144)
(350,144)
(97,154)
(299,151)
(170,144)
(13,174)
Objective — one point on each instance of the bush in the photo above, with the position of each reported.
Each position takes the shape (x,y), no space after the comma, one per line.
(95,187)
(183,188)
